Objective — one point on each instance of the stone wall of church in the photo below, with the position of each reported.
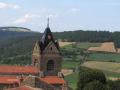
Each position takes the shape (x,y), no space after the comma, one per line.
(36,60)
(35,82)
(36,55)
(55,58)
(30,81)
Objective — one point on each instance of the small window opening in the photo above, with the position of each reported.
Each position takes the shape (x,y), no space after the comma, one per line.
(50,65)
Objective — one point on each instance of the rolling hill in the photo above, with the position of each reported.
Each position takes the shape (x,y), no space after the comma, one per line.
(16,45)
(16,48)
(17,29)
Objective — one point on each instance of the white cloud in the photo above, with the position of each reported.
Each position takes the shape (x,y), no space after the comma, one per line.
(75,9)
(26,18)
(6,5)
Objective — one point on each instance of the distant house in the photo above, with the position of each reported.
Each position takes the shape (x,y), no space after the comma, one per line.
(45,72)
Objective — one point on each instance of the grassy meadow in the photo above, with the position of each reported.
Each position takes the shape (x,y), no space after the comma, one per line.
(111,57)
(109,68)
(82,45)
(107,62)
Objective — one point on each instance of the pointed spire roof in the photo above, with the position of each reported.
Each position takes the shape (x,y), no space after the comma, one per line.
(47,38)
(48,22)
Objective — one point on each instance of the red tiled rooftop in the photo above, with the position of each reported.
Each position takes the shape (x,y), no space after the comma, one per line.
(18,69)
(53,80)
(9,79)
(23,88)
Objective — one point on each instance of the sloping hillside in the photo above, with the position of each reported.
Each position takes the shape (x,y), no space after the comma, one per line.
(17,29)
(105,47)
(16,47)
(111,69)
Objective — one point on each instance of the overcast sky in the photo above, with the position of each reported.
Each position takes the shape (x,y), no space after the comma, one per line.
(64,15)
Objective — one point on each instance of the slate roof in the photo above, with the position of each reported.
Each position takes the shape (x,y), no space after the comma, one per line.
(45,40)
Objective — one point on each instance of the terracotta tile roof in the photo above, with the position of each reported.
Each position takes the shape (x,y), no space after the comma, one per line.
(18,70)
(25,87)
(53,80)
(9,79)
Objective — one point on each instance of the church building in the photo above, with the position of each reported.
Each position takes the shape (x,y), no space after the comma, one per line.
(46,55)
(45,72)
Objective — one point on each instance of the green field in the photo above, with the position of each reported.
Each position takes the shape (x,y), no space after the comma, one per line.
(82,45)
(111,74)
(69,64)
(72,80)
(72,52)
(73,57)
(112,57)
(110,69)
(105,66)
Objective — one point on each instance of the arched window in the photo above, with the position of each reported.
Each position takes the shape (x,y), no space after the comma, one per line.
(50,65)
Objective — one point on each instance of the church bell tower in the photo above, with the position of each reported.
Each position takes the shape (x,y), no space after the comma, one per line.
(46,54)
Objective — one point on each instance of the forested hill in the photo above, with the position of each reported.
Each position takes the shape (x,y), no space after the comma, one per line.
(86,36)
(7,38)
(15,34)
(16,47)
(90,36)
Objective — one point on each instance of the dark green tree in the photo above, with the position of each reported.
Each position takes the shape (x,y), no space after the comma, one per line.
(95,85)
(87,75)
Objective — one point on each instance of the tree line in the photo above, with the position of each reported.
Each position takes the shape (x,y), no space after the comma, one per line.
(89,36)
(75,36)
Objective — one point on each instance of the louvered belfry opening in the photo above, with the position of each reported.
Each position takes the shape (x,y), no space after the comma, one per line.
(50,65)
